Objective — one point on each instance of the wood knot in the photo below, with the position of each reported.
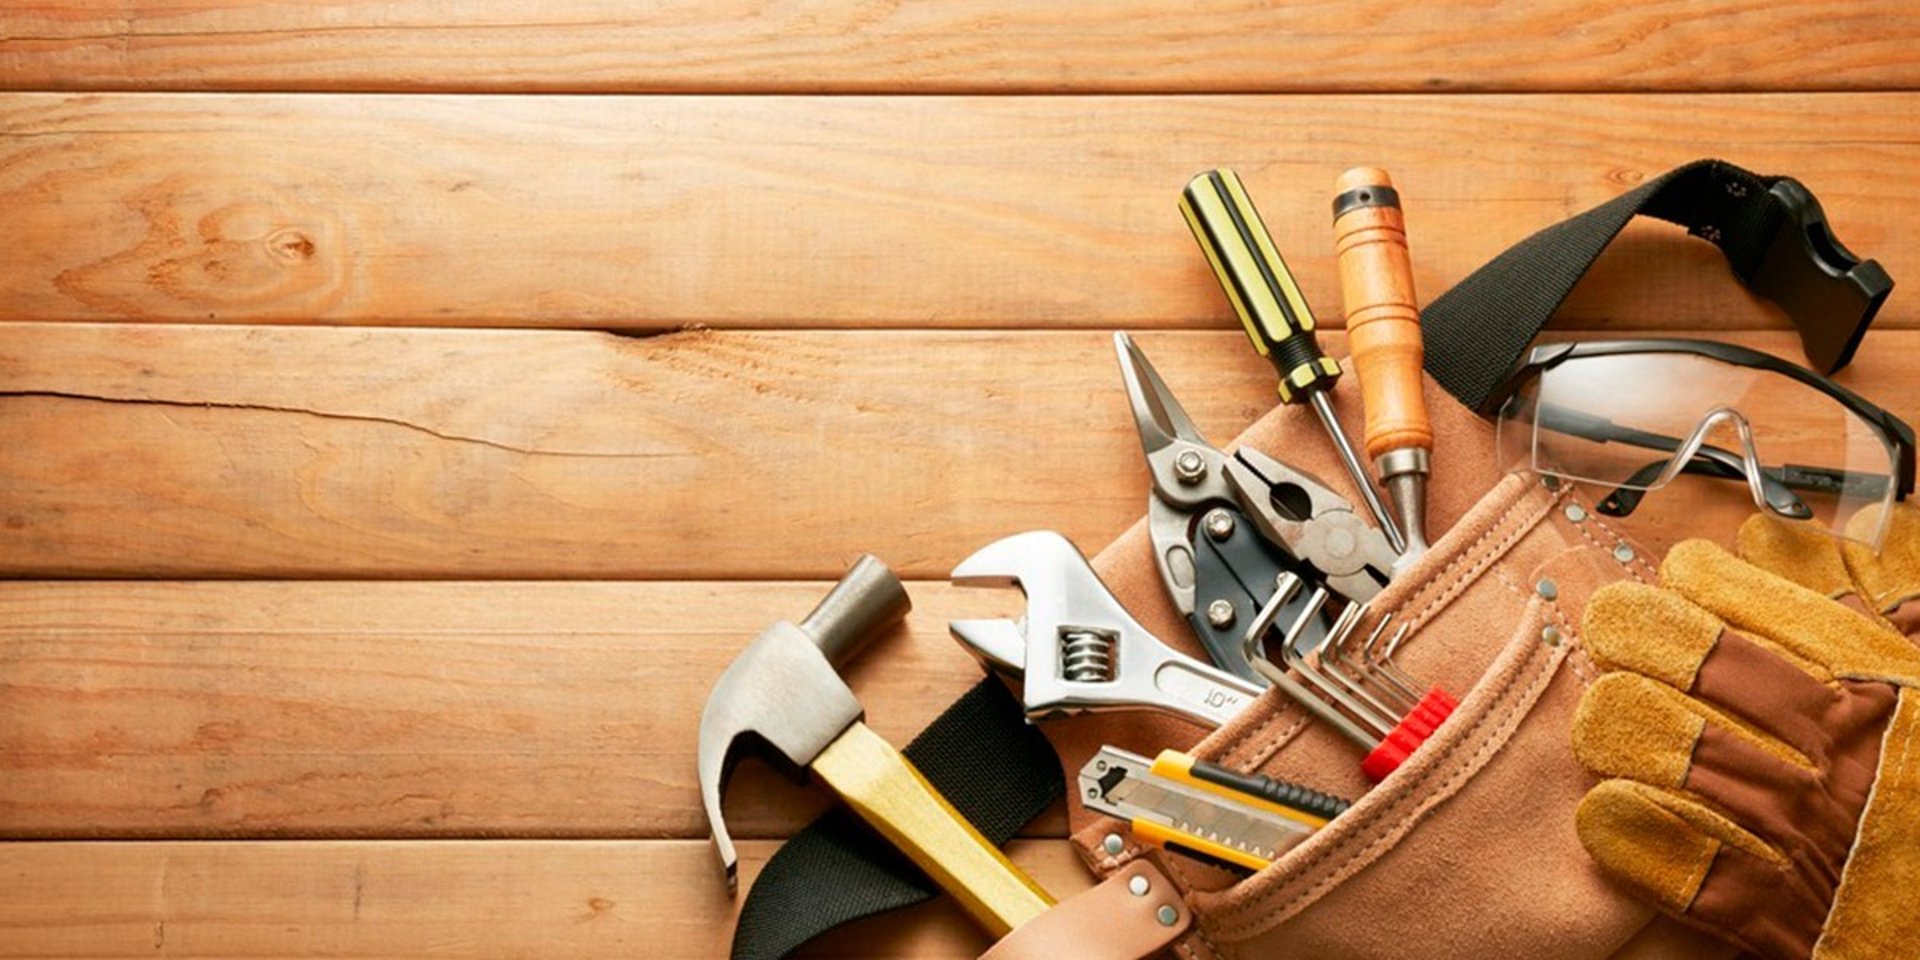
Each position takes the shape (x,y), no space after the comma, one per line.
(226,247)
(291,246)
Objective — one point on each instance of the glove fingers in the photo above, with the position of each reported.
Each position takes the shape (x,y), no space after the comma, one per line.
(1798,552)
(1634,728)
(1786,616)
(1889,579)
(1652,632)
(1698,865)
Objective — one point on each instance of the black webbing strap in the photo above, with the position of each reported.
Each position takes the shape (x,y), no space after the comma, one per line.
(1771,230)
(991,764)
(1000,772)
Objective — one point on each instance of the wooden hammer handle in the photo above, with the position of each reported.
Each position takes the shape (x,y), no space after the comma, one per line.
(1383,315)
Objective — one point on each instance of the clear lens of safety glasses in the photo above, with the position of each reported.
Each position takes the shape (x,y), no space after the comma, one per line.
(1633,421)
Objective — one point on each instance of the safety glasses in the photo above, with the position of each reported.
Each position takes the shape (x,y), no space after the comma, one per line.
(1634,414)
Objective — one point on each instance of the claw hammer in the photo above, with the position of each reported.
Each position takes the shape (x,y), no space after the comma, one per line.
(785,692)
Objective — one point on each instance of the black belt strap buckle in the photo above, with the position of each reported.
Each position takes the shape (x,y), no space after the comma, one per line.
(1830,295)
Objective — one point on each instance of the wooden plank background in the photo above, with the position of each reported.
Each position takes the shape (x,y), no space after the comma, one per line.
(395,441)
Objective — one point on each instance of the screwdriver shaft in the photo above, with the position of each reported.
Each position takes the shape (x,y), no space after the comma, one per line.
(1356,470)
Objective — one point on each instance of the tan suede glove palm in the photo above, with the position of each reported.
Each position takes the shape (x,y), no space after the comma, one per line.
(1763,745)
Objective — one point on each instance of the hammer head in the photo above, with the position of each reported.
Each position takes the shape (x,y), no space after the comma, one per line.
(783,692)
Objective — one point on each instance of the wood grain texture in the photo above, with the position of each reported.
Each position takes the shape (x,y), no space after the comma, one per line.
(950,45)
(299,452)
(661,212)
(585,899)
(412,710)
(189,452)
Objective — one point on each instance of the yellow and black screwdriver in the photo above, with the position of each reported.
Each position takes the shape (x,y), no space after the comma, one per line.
(1276,316)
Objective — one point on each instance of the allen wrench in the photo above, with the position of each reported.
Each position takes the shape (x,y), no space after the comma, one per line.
(1368,700)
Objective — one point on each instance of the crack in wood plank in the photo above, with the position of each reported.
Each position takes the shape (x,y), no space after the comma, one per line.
(336,415)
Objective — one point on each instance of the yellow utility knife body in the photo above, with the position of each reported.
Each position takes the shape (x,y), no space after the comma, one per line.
(1175,800)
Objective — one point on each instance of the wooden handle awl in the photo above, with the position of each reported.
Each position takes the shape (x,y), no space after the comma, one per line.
(1383,315)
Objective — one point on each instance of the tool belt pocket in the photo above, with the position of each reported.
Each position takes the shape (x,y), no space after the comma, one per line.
(1468,848)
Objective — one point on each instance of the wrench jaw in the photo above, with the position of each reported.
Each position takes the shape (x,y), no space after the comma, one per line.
(999,645)
(1077,649)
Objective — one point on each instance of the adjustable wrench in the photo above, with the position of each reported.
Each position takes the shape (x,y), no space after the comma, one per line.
(1076,649)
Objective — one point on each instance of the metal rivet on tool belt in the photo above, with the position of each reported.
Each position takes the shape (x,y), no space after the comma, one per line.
(1550,635)
(1623,553)
(1220,614)
(1138,886)
(1167,916)
(1189,468)
(1546,589)
(1575,512)
(1219,524)
(1113,844)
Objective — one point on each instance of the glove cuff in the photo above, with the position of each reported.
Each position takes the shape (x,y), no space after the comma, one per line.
(1873,914)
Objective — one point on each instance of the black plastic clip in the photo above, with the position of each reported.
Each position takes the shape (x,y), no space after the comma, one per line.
(1829,294)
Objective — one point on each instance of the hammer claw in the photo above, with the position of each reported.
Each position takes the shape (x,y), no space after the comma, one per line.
(784,692)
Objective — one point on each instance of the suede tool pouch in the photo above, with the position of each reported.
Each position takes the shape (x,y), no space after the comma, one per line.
(1468,849)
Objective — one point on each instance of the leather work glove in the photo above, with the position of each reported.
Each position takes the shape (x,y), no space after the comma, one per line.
(1883,585)
(1764,747)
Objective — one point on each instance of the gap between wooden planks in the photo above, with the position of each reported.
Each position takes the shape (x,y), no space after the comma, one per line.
(392,709)
(953,45)
(583,899)
(658,212)
(189,452)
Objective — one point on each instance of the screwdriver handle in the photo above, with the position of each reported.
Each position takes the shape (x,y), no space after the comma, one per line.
(1383,315)
(1257,281)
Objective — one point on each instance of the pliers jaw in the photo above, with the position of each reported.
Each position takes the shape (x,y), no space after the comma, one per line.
(1293,507)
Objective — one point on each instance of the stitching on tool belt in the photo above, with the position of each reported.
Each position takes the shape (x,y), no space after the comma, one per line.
(1184,945)
(1483,734)
(1415,793)
(1202,934)
(1578,660)
(1639,563)
(1262,752)
(1481,560)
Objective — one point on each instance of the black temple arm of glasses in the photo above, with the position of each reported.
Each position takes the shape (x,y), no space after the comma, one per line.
(1708,461)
